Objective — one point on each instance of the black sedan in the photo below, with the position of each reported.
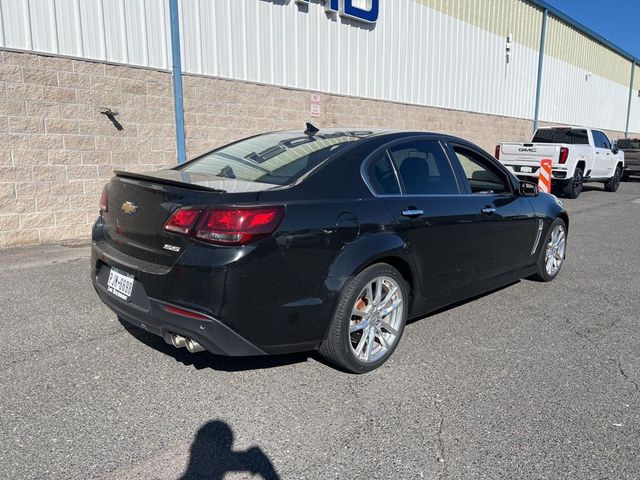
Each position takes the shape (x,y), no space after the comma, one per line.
(322,239)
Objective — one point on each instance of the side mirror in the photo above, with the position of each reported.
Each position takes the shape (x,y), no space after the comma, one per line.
(528,189)
(615,149)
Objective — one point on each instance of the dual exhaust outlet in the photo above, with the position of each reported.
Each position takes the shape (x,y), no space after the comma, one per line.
(179,341)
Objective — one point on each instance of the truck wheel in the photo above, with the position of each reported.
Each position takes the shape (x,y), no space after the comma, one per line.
(552,252)
(613,183)
(368,321)
(574,187)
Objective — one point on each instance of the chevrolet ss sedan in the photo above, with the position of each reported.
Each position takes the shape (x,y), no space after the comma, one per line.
(324,240)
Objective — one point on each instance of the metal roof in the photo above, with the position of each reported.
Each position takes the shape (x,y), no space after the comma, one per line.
(586,30)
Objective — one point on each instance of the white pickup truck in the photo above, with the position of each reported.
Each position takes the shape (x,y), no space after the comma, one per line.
(578,154)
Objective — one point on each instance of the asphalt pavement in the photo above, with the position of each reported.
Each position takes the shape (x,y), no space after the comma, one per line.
(531,381)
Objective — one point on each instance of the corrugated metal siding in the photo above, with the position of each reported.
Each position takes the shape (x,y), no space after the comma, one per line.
(442,53)
(123,31)
(574,96)
(569,45)
(414,54)
(634,119)
(498,16)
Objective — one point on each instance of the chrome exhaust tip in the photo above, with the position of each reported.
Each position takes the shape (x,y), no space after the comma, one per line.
(178,341)
(194,346)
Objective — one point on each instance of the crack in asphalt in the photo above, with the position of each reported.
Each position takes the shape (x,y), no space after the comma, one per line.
(614,361)
(618,364)
(440,458)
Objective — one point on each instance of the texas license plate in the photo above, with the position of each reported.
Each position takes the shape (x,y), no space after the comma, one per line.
(526,169)
(120,283)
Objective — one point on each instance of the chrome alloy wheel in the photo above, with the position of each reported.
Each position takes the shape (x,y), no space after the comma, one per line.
(375,319)
(554,256)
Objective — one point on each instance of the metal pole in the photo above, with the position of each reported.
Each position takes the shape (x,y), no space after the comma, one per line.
(177,80)
(543,37)
(633,71)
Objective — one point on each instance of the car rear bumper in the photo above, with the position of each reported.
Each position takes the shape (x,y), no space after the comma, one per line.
(557,175)
(212,334)
(253,302)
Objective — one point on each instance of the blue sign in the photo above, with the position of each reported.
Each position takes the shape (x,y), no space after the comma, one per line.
(346,8)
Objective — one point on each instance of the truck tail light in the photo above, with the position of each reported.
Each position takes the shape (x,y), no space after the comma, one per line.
(226,226)
(104,201)
(564,154)
(497,152)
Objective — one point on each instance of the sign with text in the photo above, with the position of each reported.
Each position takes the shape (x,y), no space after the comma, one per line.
(315,105)
(360,10)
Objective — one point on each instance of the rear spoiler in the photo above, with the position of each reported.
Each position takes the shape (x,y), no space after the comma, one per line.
(166,181)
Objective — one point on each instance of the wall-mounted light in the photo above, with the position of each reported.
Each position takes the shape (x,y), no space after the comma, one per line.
(508,45)
(587,76)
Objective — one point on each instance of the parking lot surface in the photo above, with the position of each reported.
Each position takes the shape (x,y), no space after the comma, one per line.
(532,381)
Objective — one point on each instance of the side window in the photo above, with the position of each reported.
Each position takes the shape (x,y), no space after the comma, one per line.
(424,168)
(482,176)
(597,140)
(603,140)
(381,176)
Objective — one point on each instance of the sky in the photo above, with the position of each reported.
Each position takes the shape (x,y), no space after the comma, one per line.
(616,20)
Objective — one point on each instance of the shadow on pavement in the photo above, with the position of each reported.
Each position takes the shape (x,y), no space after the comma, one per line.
(464,302)
(208,360)
(211,456)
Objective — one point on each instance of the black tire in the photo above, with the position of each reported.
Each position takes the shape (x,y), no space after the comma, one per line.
(613,183)
(573,188)
(542,275)
(625,177)
(336,348)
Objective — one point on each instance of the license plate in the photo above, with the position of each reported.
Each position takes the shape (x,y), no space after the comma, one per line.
(526,169)
(120,283)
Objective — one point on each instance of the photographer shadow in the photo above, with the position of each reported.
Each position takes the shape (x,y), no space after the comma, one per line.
(211,456)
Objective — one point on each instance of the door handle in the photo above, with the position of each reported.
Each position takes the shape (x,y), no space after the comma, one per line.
(412,213)
(488,210)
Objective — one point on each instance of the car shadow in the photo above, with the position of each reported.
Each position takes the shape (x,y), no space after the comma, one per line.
(462,302)
(202,360)
(211,456)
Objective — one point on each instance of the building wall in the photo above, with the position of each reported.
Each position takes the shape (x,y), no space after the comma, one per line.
(440,53)
(60,150)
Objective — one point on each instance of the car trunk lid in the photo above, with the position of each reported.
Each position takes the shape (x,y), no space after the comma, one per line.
(140,204)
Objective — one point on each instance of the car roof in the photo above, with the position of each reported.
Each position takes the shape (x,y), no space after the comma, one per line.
(368,133)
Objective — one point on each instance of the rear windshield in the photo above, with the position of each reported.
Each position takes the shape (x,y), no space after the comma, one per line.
(274,158)
(571,136)
(628,144)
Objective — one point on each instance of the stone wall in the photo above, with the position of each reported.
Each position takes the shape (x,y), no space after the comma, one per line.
(59,149)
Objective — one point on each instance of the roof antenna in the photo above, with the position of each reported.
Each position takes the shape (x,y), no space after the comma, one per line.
(311,130)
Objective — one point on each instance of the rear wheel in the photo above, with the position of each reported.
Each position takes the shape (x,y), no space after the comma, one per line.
(574,186)
(614,182)
(553,251)
(368,321)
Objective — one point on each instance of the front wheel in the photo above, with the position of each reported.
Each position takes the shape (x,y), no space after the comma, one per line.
(553,251)
(368,321)
(614,182)
(574,186)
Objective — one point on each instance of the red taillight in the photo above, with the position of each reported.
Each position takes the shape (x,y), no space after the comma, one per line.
(182,221)
(104,203)
(226,226)
(497,152)
(564,154)
(238,226)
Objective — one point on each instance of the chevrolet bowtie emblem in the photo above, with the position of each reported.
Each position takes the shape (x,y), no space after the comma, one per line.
(129,208)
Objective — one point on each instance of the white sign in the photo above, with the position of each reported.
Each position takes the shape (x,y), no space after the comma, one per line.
(315,105)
